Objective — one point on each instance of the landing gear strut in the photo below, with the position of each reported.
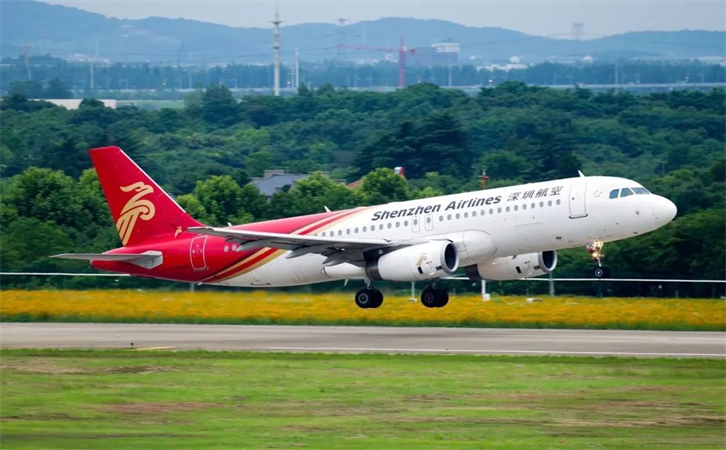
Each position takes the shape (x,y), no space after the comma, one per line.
(594,248)
(369,298)
(433,297)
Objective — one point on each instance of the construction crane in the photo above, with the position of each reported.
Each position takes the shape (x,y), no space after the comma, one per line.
(402,50)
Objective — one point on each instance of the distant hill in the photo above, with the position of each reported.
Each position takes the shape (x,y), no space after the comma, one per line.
(63,31)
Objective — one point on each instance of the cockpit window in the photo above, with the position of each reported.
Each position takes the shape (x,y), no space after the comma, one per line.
(641,191)
(625,192)
(614,193)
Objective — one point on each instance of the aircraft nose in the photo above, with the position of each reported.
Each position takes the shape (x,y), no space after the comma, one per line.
(664,210)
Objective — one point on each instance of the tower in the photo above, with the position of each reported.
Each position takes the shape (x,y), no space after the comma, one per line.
(276,46)
(342,54)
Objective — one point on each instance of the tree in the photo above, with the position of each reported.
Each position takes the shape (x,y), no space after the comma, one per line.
(48,195)
(258,162)
(223,201)
(57,89)
(219,107)
(384,185)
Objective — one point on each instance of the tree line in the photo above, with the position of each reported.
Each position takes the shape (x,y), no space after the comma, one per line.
(56,78)
(206,153)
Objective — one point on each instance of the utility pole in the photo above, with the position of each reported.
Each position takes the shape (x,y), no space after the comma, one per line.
(92,82)
(297,69)
(276,46)
(26,58)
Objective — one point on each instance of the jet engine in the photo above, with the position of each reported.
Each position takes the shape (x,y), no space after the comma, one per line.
(417,262)
(514,267)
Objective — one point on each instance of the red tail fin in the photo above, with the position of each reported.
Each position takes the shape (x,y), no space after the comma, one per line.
(140,208)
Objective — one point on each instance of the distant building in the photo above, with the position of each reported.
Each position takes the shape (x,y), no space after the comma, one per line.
(442,54)
(274,180)
(75,103)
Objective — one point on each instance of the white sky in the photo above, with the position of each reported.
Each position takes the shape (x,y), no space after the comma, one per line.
(540,17)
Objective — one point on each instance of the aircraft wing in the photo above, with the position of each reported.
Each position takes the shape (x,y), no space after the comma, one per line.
(337,249)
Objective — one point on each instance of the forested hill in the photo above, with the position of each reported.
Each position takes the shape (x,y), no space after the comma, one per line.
(62,31)
(206,153)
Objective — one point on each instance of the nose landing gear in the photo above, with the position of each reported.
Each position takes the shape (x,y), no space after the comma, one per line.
(594,248)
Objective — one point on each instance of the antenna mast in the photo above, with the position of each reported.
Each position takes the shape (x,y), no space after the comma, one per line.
(276,46)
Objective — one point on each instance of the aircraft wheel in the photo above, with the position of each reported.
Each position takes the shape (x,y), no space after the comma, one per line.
(378,298)
(365,298)
(602,272)
(429,298)
(442,296)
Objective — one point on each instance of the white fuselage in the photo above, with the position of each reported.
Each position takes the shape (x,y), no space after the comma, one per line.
(487,224)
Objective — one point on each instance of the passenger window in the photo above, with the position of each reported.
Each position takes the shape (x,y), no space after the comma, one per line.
(516,208)
(389,225)
(340,232)
(614,193)
(626,192)
(549,203)
(405,223)
(448,217)
(491,211)
(347,231)
(415,221)
(534,205)
(559,201)
(380,227)
(356,231)
(428,220)
(441,218)
(398,224)
(365,229)
(507,208)
(641,191)
(466,215)
(457,215)
(473,214)
(524,206)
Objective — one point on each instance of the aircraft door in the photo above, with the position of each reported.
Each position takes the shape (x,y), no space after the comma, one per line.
(196,252)
(429,222)
(577,200)
(416,224)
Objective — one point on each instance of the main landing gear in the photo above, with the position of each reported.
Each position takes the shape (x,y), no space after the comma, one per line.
(369,298)
(594,248)
(433,297)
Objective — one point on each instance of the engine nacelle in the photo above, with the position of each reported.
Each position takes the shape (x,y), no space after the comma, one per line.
(417,262)
(514,267)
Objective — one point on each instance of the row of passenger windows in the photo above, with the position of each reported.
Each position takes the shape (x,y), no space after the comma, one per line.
(626,192)
(483,212)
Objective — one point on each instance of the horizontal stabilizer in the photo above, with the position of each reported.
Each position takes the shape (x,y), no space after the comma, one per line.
(149,259)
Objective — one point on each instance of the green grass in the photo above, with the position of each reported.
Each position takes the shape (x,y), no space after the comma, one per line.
(215,400)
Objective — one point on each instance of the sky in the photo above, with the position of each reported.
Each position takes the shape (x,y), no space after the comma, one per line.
(539,17)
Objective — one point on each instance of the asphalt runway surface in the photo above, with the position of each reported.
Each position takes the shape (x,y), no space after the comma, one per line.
(475,341)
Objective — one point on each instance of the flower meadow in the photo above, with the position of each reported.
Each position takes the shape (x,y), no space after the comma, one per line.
(269,307)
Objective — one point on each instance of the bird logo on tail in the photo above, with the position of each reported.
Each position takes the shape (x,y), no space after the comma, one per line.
(134,209)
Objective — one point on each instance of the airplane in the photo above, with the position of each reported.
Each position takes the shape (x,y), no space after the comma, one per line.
(495,234)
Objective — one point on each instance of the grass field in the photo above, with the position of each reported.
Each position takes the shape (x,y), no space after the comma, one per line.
(265,307)
(199,400)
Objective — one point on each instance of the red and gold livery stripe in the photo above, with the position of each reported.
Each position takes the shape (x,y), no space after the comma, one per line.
(303,225)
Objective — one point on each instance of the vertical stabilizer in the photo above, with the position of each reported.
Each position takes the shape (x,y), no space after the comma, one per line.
(140,208)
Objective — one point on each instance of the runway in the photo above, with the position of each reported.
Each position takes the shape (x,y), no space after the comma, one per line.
(475,341)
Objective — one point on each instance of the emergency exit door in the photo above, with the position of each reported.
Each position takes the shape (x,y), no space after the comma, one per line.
(196,253)
(577,200)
